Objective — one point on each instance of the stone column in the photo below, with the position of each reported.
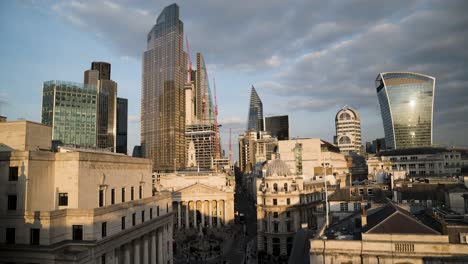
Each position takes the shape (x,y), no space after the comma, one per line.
(170,244)
(225,215)
(146,259)
(164,245)
(195,214)
(179,217)
(153,247)
(218,224)
(136,251)
(127,259)
(209,212)
(160,250)
(203,214)
(186,215)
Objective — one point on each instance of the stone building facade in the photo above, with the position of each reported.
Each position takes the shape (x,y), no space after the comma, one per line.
(284,203)
(77,206)
(199,198)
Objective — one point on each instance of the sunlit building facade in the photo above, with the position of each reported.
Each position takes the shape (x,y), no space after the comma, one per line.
(71,110)
(406,103)
(163,95)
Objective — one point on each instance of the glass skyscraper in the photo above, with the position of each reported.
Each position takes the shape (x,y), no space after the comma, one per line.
(100,75)
(278,126)
(70,108)
(406,103)
(163,96)
(255,122)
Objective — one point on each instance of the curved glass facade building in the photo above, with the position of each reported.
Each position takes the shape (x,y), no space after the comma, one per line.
(406,103)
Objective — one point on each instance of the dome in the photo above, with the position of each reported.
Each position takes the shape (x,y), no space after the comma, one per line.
(277,168)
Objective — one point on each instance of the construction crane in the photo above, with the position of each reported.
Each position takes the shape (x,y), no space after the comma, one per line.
(189,62)
(216,122)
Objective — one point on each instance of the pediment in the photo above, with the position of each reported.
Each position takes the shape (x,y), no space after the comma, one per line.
(199,188)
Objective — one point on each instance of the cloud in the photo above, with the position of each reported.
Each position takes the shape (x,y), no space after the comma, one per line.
(319,55)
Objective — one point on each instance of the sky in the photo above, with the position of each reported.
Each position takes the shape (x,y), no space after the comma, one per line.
(307,59)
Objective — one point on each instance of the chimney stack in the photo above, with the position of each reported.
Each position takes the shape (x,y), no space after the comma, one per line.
(363,216)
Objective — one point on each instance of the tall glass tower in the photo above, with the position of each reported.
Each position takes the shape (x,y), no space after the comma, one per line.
(255,122)
(406,103)
(162,95)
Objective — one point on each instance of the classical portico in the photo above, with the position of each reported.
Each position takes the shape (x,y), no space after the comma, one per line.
(200,205)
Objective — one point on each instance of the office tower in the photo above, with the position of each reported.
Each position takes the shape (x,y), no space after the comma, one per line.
(278,126)
(255,122)
(122,124)
(163,95)
(70,109)
(99,75)
(348,130)
(406,104)
(199,116)
(104,69)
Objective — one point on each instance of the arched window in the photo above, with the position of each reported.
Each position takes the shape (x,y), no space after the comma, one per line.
(345,116)
(275,187)
(345,140)
(286,187)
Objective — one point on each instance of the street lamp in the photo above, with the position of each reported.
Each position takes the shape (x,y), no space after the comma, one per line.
(326,192)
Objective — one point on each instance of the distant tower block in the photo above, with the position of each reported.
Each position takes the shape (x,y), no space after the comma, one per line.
(348,130)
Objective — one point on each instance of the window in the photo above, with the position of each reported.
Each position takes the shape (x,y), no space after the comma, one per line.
(123,222)
(357,206)
(403,158)
(464,238)
(288,214)
(414,158)
(63,199)
(101,198)
(132,193)
(275,187)
(288,201)
(369,191)
(151,213)
(275,202)
(421,165)
(288,226)
(275,227)
(143,216)
(140,192)
(77,232)
(34,236)
(275,215)
(13,174)
(103,259)
(133,219)
(113,196)
(123,195)
(157,211)
(343,207)
(10,236)
(104,229)
(361,191)
(12,202)
(285,187)
(167,208)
